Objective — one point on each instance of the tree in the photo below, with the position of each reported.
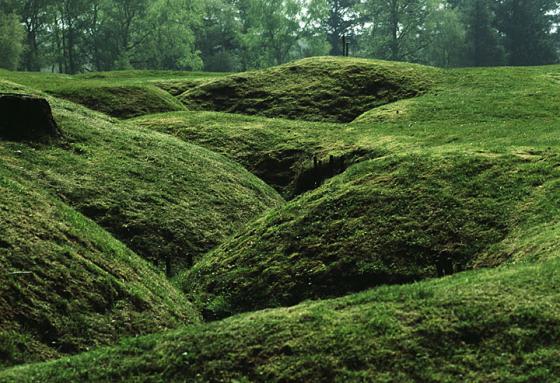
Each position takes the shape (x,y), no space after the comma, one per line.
(270,31)
(397,28)
(11,41)
(484,48)
(171,45)
(34,15)
(218,37)
(527,27)
(447,36)
(337,18)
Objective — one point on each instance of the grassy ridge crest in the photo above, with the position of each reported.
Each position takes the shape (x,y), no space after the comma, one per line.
(316,89)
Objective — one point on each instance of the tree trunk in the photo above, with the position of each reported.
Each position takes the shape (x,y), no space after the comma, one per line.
(394,29)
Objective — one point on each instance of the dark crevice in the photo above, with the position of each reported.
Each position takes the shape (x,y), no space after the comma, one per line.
(294,172)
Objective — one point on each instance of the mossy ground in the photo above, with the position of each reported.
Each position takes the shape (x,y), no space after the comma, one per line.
(317,89)
(122,94)
(166,199)
(66,285)
(445,154)
(497,325)
(391,220)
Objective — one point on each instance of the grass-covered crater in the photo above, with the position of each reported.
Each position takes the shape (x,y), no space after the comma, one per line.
(396,219)
(168,200)
(66,285)
(316,89)
(279,151)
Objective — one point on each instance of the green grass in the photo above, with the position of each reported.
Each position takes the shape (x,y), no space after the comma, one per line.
(492,108)
(279,151)
(468,167)
(121,101)
(497,325)
(122,94)
(384,221)
(511,110)
(316,89)
(164,198)
(66,285)
(50,81)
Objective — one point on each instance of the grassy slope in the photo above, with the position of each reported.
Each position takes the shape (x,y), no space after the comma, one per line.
(123,101)
(276,150)
(390,220)
(121,94)
(162,197)
(316,89)
(499,110)
(497,325)
(66,285)
(496,109)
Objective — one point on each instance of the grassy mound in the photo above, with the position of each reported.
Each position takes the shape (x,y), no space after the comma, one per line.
(396,219)
(484,101)
(51,81)
(121,101)
(120,94)
(66,285)
(278,151)
(499,325)
(166,199)
(315,89)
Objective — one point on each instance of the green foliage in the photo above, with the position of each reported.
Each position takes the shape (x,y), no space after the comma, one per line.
(337,18)
(11,41)
(72,36)
(527,27)
(172,42)
(448,38)
(274,31)
(484,48)
(218,38)
(66,285)
(397,31)
(75,35)
(318,89)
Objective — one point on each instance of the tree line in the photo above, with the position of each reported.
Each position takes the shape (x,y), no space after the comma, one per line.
(72,36)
